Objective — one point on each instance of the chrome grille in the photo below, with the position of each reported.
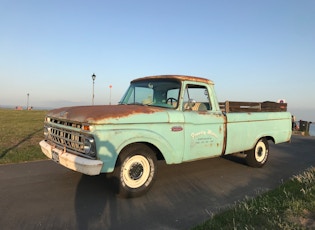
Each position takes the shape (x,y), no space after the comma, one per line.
(62,138)
(66,123)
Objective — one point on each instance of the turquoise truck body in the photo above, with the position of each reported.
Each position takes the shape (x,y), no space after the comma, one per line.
(89,139)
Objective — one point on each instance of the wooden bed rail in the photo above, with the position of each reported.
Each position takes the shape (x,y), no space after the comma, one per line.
(267,106)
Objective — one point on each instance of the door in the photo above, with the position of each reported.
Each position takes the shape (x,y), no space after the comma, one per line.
(204,127)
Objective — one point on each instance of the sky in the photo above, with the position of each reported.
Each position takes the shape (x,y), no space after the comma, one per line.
(253,50)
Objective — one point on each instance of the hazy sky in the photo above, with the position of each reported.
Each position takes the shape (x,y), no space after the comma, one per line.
(253,50)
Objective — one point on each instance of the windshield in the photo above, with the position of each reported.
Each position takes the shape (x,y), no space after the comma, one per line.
(160,92)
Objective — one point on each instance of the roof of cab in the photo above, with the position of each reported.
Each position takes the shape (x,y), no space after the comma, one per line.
(176,77)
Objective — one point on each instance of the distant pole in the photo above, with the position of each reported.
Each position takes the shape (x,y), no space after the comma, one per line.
(28,98)
(110,94)
(93,78)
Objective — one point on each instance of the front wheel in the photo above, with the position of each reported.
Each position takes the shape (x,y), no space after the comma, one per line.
(135,170)
(258,156)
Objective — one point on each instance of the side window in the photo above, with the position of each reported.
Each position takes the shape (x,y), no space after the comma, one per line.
(196,98)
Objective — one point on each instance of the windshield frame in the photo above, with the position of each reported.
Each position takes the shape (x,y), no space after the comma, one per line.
(163,93)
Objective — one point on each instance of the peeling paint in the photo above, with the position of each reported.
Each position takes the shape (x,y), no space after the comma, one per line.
(93,114)
(176,77)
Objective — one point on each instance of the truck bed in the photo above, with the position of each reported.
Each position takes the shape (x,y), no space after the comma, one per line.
(267,106)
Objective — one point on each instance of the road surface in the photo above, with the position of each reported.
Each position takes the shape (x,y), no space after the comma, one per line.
(44,195)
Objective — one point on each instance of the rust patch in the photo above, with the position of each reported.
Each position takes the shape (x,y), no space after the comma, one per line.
(93,114)
(225,135)
(176,77)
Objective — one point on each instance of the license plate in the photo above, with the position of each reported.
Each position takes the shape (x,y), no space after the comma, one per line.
(55,156)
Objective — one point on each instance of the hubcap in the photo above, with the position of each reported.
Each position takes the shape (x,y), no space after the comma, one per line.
(260,152)
(135,171)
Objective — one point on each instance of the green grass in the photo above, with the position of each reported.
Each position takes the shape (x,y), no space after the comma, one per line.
(20,133)
(290,206)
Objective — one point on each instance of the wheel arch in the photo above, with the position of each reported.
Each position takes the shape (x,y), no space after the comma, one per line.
(269,138)
(162,149)
(155,149)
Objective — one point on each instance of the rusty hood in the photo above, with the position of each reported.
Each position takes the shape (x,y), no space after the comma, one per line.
(103,114)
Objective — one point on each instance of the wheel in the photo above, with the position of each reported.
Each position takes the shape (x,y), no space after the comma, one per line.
(135,170)
(258,156)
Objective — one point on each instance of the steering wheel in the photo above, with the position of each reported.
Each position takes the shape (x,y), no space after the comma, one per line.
(171,100)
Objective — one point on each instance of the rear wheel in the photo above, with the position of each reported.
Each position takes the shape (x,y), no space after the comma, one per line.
(135,170)
(258,156)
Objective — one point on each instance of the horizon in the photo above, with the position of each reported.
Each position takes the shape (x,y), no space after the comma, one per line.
(299,115)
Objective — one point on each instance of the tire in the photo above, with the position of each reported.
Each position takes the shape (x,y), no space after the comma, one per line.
(135,170)
(258,156)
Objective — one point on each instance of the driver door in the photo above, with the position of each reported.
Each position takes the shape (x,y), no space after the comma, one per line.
(204,128)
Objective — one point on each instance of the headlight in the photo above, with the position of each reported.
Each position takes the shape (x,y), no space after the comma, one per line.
(46,132)
(89,146)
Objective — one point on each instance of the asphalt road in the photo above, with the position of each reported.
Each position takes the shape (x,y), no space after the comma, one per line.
(44,195)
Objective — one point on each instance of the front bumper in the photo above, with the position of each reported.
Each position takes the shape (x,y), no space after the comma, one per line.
(71,161)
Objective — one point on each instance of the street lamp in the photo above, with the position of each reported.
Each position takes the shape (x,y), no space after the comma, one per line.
(28,97)
(93,78)
(110,94)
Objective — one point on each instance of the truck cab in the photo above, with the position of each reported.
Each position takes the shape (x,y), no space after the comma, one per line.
(200,117)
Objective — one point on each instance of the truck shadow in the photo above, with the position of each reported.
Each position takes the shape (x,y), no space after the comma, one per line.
(235,158)
(93,195)
(97,206)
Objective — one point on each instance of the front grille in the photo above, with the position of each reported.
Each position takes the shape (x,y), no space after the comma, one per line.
(67,140)
(66,123)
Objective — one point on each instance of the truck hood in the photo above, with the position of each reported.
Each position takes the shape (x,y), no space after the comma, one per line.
(110,114)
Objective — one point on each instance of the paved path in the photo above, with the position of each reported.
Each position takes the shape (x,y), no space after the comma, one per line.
(44,195)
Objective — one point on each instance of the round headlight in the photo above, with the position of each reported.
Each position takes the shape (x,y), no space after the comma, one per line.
(46,131)
(89,146)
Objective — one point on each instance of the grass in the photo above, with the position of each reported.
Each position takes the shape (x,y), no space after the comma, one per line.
(290,206)
(20,133)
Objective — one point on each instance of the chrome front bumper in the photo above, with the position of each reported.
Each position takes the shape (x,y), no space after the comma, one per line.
(71,161)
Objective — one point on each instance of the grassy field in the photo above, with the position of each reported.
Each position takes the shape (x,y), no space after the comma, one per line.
(20,133)
(291,206)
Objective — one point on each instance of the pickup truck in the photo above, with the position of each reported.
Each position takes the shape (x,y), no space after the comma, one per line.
(174,118)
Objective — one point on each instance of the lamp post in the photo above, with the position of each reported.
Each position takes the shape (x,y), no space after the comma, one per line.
(93,78)
(28,97)
(110,94)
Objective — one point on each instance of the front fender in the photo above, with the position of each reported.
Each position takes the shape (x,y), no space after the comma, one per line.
(110,143)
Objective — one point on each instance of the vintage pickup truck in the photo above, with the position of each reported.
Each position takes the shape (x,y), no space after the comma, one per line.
(174,118)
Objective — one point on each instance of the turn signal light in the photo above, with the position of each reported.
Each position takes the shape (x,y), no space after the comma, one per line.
(86,127)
